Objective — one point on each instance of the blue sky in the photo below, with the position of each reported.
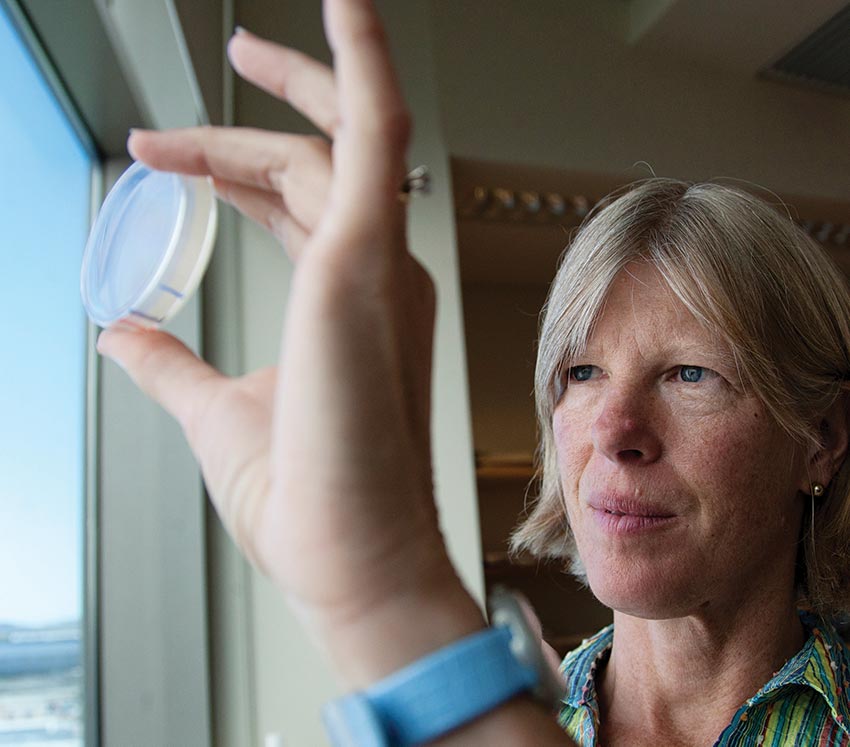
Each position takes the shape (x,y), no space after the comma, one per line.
(44,208)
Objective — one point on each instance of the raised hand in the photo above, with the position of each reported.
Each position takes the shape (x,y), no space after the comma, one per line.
(321,468)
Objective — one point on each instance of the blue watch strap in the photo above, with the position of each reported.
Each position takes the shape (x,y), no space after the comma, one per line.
(433,695)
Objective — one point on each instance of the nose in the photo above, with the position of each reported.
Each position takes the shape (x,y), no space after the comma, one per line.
(626,428)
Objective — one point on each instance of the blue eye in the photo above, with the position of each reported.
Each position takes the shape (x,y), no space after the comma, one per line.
(691,374)
(581,373)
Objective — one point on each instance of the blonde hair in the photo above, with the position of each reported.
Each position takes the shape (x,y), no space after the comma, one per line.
(750,275)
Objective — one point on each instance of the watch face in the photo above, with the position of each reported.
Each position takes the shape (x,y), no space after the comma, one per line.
(512,610)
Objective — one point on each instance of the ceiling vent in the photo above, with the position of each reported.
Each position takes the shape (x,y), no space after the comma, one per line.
(821,60)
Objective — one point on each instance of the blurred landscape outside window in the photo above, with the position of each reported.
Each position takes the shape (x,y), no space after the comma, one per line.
(45,207)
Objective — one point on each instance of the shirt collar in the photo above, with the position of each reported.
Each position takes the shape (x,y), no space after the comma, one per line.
(579,669)
(823,664)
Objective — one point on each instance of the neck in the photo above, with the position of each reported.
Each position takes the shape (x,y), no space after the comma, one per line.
(663,672)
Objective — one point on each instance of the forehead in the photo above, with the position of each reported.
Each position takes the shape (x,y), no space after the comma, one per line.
(641,307)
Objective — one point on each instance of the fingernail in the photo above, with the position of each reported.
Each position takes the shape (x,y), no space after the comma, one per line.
(131,145)
(101,344)
(239,30)
(108,333)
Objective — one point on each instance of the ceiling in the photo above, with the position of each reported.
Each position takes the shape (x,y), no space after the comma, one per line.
(739,36)
(733,38)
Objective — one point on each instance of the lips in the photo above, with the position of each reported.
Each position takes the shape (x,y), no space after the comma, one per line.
(622,506)
(619,515)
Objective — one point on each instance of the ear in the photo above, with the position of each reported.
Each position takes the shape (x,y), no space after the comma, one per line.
(834,432)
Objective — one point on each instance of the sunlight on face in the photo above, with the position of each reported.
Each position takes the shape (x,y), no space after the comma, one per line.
(680,489)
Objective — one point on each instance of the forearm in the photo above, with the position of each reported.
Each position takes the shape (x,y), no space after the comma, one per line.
(380,638)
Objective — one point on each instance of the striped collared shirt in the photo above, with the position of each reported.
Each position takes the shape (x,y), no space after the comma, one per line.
(805,703)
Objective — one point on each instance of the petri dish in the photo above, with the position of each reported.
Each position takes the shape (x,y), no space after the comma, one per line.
(149,247)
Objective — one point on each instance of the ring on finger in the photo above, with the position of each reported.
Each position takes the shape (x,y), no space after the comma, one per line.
(417,180)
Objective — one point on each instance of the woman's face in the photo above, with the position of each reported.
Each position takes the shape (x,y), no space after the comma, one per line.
(681,491)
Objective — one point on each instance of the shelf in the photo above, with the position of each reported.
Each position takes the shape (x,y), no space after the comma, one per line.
(502,559)
(501,563)
(504,467)
(505,472)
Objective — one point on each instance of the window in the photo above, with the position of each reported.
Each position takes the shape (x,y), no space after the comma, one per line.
(45,204)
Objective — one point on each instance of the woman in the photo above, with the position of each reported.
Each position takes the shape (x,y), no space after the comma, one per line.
(671,455)
(690,380)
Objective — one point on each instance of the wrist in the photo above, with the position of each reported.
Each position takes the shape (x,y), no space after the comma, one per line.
(400,629)
(453,688)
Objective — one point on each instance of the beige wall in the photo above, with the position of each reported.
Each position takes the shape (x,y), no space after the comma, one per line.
(556,83)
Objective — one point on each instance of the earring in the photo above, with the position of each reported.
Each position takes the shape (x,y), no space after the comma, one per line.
(817,489)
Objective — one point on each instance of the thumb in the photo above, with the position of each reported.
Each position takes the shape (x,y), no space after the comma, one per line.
(162,367)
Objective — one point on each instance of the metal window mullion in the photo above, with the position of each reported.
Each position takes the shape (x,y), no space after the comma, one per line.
(91,524)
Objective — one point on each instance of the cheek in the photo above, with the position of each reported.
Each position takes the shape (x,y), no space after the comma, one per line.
(744,469)
(574,449)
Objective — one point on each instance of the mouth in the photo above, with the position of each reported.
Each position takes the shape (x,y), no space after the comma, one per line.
(623,517)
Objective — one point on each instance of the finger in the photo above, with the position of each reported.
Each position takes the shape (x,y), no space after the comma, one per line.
(288,74)
(301,192)
(370,148)
(293,237)
(253,157)
(260,205)
(269,210)
(163,368)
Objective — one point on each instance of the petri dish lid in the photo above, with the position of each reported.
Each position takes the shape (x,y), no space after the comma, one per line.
(148,248)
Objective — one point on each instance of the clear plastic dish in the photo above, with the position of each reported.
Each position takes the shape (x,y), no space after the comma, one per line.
(148,248)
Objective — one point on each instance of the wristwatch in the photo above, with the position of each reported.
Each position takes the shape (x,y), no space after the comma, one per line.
(451,686)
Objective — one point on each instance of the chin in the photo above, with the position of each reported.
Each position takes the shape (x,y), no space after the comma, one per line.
(640,591)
